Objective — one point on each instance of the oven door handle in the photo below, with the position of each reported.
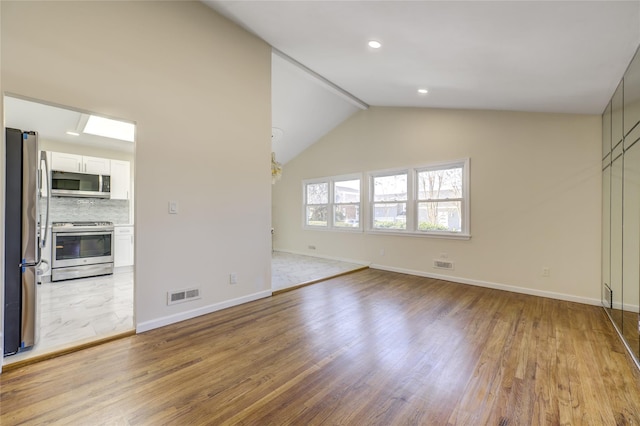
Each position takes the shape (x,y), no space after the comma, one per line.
(82,234)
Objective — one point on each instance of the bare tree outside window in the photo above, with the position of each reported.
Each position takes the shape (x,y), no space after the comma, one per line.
(317,195)
(440,199)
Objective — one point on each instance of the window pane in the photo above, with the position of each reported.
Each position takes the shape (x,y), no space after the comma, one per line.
(318,193)
(390,188)
(347,216)
(440,216)
(440,184)
(390,216)
(317,215)
(347,191)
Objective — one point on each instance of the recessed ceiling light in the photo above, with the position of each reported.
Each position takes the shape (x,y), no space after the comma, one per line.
(73,133)
(374,44)
(423,91)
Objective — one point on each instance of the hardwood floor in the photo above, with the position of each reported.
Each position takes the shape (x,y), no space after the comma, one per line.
(372,347)
(627,323)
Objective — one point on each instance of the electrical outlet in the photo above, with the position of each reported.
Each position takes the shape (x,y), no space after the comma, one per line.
(546,271)
(233,278)
(381,252)
(173,207)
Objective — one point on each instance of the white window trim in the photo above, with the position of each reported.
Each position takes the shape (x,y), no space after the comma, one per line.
(412,201)
(330,180)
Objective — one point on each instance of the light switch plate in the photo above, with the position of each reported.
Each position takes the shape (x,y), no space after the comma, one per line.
(173,207)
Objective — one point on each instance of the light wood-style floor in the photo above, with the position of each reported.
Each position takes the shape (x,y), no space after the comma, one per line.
(627,322)
(372,347)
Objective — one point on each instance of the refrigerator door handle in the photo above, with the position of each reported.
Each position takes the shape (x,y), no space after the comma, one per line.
(43,157)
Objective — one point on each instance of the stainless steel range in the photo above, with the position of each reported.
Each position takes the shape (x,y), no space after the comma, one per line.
(81,249)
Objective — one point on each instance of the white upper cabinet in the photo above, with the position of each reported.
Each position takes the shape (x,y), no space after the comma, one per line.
(120,180)
(66,162)
(77,163)
(95,165)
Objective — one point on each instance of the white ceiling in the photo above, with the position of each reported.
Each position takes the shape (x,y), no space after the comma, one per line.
(52,123)
(304,108)
(543,56)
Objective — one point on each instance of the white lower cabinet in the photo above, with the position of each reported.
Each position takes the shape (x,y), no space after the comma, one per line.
(123,246)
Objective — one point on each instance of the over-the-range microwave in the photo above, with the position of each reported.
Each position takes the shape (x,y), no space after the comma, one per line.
(73,184)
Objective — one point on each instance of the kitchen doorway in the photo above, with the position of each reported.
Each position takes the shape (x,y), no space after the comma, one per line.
(85,291)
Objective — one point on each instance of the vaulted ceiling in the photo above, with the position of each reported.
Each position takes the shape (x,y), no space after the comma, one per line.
(543,56)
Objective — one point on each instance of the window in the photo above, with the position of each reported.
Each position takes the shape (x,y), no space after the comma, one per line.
(427,200)
(346,203)
(390,201)
(440,199)
(317,196)
(333,203)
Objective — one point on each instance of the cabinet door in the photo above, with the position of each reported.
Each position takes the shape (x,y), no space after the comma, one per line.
(123,247)
(66,162)
(120,180)
(606,238)
(616,241)
(631,248)
(606,131)
(616,116)
(632,102)
(99,166)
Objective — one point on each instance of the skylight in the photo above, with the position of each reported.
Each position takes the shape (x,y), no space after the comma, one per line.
(109,128)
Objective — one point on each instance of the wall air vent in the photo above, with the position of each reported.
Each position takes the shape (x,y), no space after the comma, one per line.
(442,264)
(179,296)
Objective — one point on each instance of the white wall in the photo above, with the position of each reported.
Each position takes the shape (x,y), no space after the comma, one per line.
(535,196)
(198,88)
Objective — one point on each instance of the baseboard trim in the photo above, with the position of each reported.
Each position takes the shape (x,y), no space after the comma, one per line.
(497,286)
(182,316)
(322,256)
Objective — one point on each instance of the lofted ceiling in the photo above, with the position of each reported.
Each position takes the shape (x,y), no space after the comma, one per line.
(304,107)
(540,56)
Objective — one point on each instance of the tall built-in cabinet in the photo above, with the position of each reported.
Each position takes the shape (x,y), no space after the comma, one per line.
(621,208)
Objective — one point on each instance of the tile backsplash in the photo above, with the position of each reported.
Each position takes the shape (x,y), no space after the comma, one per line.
(71,209)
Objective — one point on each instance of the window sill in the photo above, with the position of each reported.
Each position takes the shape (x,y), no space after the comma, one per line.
(335,229)
(447,236)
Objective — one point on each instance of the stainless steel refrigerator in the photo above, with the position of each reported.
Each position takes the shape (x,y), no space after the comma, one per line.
(25,232)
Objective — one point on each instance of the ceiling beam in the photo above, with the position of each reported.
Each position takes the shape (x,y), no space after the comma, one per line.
(323,81)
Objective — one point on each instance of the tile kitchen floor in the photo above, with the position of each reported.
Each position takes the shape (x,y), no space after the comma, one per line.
(290,270)
(74,312)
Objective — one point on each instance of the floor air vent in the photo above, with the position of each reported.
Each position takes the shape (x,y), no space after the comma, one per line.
(179,296)
(442,264)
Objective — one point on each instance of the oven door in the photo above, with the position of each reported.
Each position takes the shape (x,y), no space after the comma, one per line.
(82,248)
